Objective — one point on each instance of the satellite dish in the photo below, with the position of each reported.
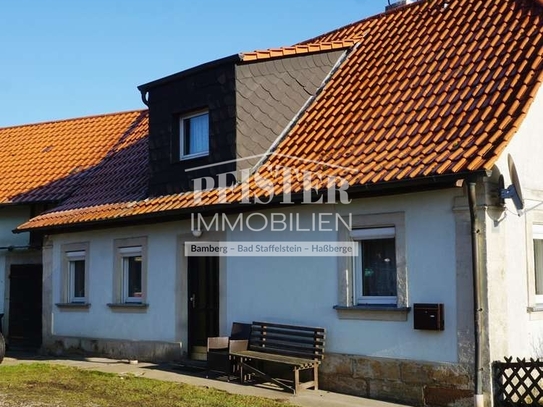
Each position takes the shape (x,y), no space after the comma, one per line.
(514,191)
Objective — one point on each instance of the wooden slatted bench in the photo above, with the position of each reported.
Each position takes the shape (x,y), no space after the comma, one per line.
(298,347)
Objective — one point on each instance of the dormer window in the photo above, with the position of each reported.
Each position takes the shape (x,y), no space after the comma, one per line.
(194,137)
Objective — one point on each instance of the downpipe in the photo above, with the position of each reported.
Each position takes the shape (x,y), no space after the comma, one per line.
(477,297)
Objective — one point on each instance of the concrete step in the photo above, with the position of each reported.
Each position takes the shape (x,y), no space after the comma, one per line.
(198,353)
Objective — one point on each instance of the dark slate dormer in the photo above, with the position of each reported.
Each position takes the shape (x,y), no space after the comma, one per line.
(245,106)
(269,95)
(210,89)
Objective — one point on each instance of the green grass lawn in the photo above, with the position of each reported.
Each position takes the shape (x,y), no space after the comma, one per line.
(47,385)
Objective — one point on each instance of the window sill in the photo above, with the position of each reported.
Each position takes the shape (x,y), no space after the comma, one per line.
(536,312)
(128,307)
(192,156)
(73,306)
(373,312)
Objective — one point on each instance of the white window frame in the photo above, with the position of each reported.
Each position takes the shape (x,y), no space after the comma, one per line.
(183,155)
(537,234)
(367,234)
(346,305)
(123,249)
(71,253)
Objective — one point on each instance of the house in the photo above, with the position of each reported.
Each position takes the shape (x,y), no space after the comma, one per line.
(41,165)
(397,136)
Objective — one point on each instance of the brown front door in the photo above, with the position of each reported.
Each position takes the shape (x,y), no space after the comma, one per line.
(203,299)
(25,306)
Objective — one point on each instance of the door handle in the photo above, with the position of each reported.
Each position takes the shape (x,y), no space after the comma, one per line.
(193,300)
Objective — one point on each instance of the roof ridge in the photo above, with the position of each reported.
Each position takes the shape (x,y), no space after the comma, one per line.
(305,44)
(363,20)
(297,50)
(92,116)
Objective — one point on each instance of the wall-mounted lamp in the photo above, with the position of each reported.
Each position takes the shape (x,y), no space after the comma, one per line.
(196,233)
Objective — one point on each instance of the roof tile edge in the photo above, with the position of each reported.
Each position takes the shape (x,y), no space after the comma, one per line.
(69,119)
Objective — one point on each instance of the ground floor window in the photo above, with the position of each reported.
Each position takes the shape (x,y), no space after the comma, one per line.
(75,273)
(132,276)
(375,267)
(537,234)
(77,276)
(130,271)
(373,284)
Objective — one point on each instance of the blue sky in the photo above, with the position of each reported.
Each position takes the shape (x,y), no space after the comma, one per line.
(64,58)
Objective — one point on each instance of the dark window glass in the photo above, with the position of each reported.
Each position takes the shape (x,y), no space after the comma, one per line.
(78,278)
(538,253)
(133,276)
(379,268)
(195,135)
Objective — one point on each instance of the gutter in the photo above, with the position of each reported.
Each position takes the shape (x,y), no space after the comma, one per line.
(477,268)
(13,248)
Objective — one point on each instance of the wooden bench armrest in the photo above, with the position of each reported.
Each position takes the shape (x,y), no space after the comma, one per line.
(238,345)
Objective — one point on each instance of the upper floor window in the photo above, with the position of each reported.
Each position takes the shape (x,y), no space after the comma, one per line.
(194,135)
(375,267)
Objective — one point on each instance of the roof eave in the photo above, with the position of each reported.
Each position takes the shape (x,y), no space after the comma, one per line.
(360,191)
(208,65)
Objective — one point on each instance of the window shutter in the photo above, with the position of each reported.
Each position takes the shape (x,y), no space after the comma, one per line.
(373,233)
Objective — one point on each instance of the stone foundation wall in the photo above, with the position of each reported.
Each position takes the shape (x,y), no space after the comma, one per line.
(147,351)
(402,381)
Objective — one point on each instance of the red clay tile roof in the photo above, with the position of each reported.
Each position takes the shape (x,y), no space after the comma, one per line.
(430,90)
(299,49)
(434,88)
(122,174)
(47,161)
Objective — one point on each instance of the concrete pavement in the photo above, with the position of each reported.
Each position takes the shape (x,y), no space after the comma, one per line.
(169,372)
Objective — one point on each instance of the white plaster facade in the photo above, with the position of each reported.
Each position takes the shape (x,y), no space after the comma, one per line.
(516,328)
(297,290)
